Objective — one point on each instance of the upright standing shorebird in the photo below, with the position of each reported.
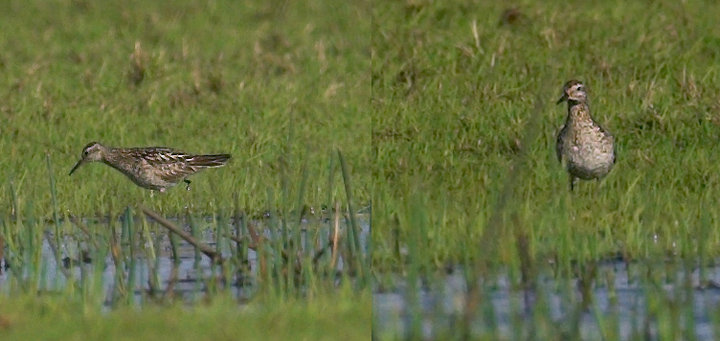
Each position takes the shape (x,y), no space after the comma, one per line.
(155,168)
(588,149)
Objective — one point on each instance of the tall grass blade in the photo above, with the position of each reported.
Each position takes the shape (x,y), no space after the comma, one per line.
(354,231)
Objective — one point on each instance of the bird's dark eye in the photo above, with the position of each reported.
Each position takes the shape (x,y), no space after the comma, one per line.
(580,88)
(85,153)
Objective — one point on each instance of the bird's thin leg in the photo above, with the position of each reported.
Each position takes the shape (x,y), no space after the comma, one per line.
(572,183)
(188,184)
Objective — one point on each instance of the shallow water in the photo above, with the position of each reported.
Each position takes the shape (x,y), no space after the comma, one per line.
(192,273)
(621,295)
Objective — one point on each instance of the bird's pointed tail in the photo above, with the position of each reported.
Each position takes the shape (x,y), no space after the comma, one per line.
(208,161)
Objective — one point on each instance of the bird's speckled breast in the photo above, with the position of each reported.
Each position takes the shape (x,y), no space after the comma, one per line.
(589,150)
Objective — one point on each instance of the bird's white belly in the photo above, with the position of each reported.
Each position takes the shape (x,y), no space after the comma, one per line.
(589,165)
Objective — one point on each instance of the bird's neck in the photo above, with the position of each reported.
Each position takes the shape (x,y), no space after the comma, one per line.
(112,158)
(578,111)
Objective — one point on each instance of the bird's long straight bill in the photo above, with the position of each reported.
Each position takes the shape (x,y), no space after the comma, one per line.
(77,165)
(562,99)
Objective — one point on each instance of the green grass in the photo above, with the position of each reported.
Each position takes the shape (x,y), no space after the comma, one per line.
(452,109)
(274,84)
(345,315)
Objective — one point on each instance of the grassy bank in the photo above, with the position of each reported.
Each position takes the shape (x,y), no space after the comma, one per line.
(344,315)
